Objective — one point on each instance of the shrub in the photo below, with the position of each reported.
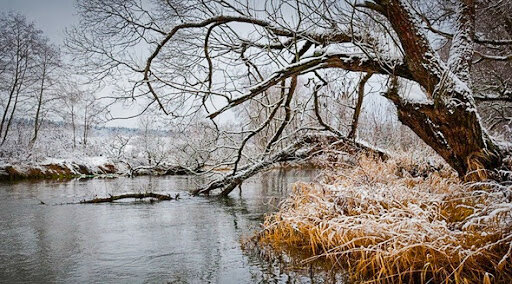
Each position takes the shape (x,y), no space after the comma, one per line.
(395,221)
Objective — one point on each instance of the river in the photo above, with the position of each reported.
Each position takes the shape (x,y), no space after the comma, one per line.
(191,240)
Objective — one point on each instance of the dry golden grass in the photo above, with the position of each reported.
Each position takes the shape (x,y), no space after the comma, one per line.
(383,225)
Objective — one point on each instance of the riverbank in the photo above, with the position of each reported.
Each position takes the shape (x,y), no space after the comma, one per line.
(394,222)
(85,167)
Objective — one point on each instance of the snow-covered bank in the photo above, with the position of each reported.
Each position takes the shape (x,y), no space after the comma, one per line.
(90,166)
(61,168)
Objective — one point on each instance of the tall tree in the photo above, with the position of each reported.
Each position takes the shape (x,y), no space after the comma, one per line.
(46,66)
(220,55)
(18,40)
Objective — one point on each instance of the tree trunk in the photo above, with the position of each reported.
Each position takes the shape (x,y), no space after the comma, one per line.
(18,91)
(86,126)
(9,122)
(13,88)
(359,104)
(39,103)
(449,122)
(11,95)
(454,131)
(73,125)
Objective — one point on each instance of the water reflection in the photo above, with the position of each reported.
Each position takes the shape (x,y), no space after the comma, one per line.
(193,240)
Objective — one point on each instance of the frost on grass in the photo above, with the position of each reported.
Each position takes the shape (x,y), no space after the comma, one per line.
(389,222)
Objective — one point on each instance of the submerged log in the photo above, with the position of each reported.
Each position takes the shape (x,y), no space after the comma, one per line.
(113,198)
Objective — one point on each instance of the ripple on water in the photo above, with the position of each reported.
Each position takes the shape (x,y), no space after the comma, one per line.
(192,240)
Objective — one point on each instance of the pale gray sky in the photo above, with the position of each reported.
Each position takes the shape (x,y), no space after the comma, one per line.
(51,16)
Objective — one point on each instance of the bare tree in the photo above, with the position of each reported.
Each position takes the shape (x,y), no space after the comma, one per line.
(48,60)
(153,146)
(76,104)
(493,63)
(69,100)
(278,56)
(19,39)
(118,145)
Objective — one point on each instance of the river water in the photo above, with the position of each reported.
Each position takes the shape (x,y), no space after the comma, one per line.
(191,240)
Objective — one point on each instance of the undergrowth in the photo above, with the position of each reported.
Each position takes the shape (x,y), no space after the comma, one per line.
(397,222)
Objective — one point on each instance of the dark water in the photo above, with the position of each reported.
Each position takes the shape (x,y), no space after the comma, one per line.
(192,240)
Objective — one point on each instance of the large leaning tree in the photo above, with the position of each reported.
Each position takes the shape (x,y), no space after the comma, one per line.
(277,67)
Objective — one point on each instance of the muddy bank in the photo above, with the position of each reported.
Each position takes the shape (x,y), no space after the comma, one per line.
(55,171)
(71,169)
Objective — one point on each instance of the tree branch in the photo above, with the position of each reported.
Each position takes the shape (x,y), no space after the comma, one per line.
(351,62)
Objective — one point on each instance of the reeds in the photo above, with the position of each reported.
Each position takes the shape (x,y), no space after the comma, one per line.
(397,222)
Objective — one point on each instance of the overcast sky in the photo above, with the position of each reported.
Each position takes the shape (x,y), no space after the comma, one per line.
(51,16)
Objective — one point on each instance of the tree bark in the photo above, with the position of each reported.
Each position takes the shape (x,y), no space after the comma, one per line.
(454,131)
(449,123)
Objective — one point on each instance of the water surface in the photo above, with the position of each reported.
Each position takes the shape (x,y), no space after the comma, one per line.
(192,240)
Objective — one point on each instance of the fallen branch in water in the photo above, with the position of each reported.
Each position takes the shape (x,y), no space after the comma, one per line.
(307,147)
(113,198)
